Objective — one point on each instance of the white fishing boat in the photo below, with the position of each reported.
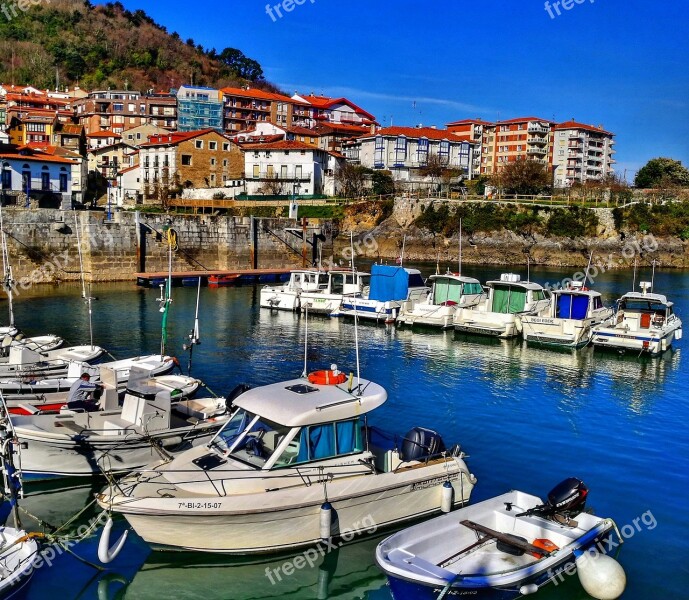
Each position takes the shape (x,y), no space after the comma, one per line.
(499,315)
(449,293)
(16,339)
(329,296)
(392,290)
(643,322)
(570,318)
(116,440)
(504,548)
(297,463)
(287,296)
(29,364)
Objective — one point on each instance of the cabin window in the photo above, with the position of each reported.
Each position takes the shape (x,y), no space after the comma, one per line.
(508,300)
(318,442)
(337,286)
(597,303)
(447,290)
(571,306)
(473,289)
(540,295)
(415,280)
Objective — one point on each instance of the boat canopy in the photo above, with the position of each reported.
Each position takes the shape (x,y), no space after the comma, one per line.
(643,300)
(299,402)
(451,288)
(392,283)
(572,306)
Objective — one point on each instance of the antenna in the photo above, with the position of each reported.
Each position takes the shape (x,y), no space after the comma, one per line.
(194,334)
(306,340)
(653,274)
(8,281)
(356,321)
(634,280)
(588,267)
(528,269)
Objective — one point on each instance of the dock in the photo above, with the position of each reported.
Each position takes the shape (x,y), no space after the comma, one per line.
(224,277)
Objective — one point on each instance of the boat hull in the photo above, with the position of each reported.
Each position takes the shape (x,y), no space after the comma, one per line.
(653,343)
(279,300)
(287,518)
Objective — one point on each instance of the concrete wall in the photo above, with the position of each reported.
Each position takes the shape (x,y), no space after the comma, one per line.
(43,244)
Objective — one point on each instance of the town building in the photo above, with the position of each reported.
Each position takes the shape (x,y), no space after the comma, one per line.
(581,153)
(140,135)
(195,159)
(524,138)
(289,168)
(246,107)
(405,151)
(199,108)
(475,131)
(100,139)
(30,176)
(333,110)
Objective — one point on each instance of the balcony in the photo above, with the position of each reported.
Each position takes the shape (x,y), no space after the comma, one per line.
(537,128)
(541,151)
(537,140)
(274,176)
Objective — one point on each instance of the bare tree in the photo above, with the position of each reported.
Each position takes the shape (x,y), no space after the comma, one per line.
(273,187)
(351,180)
(526,177)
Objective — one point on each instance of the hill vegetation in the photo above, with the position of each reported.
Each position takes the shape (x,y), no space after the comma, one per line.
(108,46)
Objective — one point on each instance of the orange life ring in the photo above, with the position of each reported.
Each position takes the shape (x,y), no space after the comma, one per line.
(327,377)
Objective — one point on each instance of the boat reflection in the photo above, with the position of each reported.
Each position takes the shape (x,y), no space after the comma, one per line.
(345,573)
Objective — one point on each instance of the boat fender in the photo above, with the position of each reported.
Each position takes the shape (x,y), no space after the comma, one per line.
(530,588)
(447,497)
(601,576)
(326,521)
(105,553)
(327,377)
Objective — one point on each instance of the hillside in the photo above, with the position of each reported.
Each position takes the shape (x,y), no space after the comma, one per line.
(107,46)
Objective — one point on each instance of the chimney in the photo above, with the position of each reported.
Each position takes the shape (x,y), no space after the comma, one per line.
(373,129)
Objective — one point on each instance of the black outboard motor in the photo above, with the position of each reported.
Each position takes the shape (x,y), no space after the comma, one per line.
(234,394)
(421,443)
(568,498)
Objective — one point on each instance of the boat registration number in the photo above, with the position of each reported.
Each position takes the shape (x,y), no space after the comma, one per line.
(422,485)
(199,505)
(542,320)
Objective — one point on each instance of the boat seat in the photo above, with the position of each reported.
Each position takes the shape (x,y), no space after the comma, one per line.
(399,555)
(117,426)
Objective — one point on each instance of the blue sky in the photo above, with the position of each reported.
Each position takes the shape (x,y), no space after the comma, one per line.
(620,63)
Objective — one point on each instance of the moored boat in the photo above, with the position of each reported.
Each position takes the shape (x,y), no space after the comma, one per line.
(499,315)
(503,548)
(288,296)
(297,463)
(340,285)
(643,322)
(569,320)
(449,293)
(392,290)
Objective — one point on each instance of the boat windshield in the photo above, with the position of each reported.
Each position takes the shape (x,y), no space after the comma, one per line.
(508,299)
(250,438)
(447,291)
(643,305)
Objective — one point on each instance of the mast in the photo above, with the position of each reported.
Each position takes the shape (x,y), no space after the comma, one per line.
(194,335)
(460,247)
(87,298)
(8,281)
(166,297)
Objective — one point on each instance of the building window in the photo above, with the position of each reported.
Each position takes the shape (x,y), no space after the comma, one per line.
(63,180)
(6,177)
(212,145)
(186,160)
(378,159)
(444,151)
(199,144)
(118,107)
(422,151)
(224,163)
(257,171)
(225,147)
(26,178)
(212,162)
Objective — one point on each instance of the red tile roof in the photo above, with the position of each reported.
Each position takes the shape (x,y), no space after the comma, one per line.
(281,145)
(344,128)
(524,120)
(103,134)
(470,121)
(176,137)
(575,125)
(255,93)
(415,133)
(324,102)
(25,153)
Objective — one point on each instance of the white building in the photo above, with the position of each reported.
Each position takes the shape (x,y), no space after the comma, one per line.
(405,150)
(40,175)
(289,168)
(334,110)
(581,153)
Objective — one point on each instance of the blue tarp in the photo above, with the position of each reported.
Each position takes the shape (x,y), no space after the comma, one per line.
(572,307)
(388,283)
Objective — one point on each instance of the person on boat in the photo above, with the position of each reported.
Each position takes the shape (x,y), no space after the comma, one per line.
(82,394)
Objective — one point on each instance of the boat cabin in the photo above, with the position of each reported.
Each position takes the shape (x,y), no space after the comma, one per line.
(510,295)
(345,282)
(643,311)
(307,280)
(451,289)
(295,423)
(576,302)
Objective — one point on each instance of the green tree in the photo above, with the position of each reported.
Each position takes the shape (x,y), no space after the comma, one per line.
(665,171)
(241,65)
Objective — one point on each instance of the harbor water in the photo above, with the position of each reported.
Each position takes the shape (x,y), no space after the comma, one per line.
(527,418)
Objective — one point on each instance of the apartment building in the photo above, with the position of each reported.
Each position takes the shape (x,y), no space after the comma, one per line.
(195,159)
(289,168)
(141,134)
(475,131)
(244,108)
(523,138)
(581,153)
(406,150)
(199,108)
(33,125)
(117,110)
(322,109)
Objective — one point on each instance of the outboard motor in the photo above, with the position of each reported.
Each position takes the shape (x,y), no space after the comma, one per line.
(421,443)
(568,498)
(234,394)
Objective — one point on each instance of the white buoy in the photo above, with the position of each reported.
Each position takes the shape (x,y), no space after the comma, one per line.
(105,553)
(529,588)
(601,576)
(447,496)
(326,518)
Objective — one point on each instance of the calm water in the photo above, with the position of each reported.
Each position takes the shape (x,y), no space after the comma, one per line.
(528,418)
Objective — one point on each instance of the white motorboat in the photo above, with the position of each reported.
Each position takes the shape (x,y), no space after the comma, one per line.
(287,296)
(449,293)
(500,313)
(116,440)
(29,364)
(392,290)
(643,322)
(570,319)
(503,548)
(340,285)
(13,338)
(296,463)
